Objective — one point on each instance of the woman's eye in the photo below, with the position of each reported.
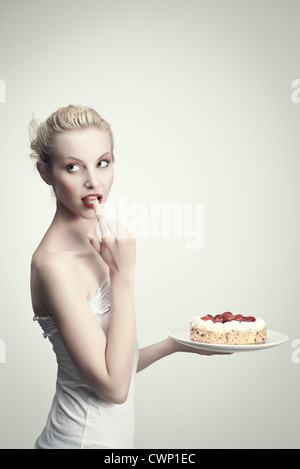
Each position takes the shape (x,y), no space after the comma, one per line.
(72,168)
(103,163)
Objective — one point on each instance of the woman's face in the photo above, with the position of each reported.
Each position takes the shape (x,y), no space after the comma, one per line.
(82,170)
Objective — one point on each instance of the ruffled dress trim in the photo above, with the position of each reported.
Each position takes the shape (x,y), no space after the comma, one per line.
(99,304)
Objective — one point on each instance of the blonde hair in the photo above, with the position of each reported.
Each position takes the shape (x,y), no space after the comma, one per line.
(63,120)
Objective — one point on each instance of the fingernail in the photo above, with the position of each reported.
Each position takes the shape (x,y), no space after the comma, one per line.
(98,208)
(96,204)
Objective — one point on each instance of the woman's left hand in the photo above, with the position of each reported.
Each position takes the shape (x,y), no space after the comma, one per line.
(175,346)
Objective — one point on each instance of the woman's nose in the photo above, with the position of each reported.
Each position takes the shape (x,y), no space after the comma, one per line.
(91,180)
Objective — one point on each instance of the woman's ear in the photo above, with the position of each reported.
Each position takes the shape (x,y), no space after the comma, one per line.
(44,172)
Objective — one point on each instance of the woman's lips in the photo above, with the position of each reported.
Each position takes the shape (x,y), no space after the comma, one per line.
(88,200)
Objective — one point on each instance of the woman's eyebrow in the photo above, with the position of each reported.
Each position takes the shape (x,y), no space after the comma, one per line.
(70,157)
(108,153)
(81,161)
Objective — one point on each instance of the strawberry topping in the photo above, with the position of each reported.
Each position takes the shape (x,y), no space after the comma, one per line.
(227,317)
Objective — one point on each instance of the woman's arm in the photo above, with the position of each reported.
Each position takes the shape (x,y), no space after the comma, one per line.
(117,249)
(164,348)
(121,340)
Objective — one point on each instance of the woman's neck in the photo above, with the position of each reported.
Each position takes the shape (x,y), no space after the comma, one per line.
(76,230)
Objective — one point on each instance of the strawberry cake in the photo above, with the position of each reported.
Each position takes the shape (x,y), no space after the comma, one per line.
(229,329)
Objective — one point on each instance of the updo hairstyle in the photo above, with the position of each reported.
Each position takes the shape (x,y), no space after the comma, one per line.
(63,120)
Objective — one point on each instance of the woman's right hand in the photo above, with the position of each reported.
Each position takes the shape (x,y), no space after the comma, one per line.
(117,245)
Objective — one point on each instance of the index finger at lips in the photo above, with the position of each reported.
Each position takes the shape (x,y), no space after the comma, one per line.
(103,225)
(98,209)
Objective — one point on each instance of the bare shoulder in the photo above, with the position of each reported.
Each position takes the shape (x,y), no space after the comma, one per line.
(46,265)
(55,280)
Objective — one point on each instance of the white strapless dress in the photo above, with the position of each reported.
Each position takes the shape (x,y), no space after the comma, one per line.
(78,418)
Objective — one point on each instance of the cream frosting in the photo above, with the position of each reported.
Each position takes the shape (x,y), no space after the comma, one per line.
(228,326)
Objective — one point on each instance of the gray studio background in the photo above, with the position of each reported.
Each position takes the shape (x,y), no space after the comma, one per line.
(199,95)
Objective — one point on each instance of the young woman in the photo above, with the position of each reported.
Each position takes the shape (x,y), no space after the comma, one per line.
(82,289)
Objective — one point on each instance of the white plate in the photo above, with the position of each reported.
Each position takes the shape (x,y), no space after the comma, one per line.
(182,335)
